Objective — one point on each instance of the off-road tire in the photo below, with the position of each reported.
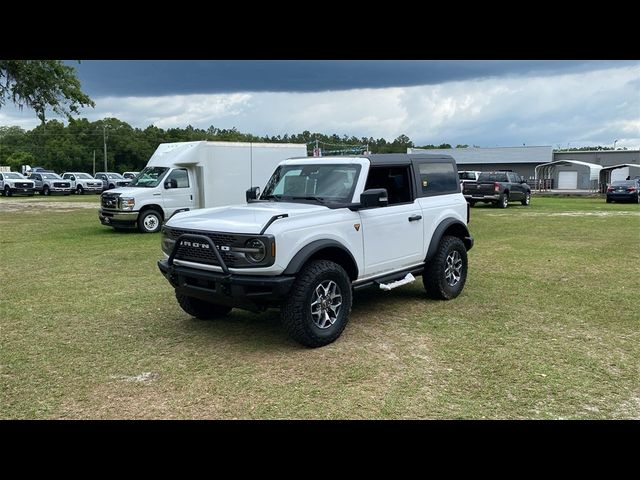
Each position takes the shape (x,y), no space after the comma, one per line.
(147,223)
(434,276)
(526,201)
(296,310)
(200,309)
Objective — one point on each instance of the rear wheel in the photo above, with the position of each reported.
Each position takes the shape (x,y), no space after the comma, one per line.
(200,309)
(527,199)
(503,201)
(317,309)
(149,221)
(608,200)
(446,273)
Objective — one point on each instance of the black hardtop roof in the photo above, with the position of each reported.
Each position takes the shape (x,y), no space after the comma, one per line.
(386,158)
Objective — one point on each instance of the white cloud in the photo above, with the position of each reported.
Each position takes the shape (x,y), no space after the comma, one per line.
(582,108)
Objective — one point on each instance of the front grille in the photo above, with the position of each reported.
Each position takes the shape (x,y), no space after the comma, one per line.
(23,185)
(94,184)
(204,255)
(61,184)
(109,200)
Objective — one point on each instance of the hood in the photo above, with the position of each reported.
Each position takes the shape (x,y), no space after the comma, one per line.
(128,191)
(13,181)
(249,218)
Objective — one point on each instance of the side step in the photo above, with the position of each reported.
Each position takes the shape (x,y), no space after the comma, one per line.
(408,278)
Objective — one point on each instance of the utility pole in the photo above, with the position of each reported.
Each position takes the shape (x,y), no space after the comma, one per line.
(104,138)
(94,162)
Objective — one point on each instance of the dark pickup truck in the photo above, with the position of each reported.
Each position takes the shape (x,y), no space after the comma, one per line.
(498,188)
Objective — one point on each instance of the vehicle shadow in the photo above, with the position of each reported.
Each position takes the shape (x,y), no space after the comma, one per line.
(248,331)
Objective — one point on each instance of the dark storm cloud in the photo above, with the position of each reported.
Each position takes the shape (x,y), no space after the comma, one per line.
(155,78)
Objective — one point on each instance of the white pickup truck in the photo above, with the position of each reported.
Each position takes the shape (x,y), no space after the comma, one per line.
(83,182)
(12,183)
(322,228)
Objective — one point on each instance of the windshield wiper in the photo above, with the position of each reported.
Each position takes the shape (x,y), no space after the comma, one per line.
(308,197)
(276,197)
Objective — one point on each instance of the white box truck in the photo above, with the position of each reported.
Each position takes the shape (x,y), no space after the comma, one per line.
(185,176)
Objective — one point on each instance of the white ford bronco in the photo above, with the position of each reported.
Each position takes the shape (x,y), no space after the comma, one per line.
(322,228)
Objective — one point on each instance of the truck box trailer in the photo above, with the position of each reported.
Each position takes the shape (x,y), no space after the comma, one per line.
(184,176)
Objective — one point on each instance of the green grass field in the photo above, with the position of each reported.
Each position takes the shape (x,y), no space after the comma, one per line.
(548,326)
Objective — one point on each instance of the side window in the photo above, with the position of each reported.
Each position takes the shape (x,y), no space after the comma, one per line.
(438,178)
(512,177)
(181,176)
(394,179)
(1,177)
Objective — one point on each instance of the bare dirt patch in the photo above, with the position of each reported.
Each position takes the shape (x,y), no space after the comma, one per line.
(28,206)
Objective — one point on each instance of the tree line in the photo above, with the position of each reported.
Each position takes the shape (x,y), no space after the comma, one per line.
(59,147)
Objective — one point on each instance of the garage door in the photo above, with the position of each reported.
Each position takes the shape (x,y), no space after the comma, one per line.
(568,180)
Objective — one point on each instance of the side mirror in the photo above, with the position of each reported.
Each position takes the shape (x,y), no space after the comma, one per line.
(374,197)
(173,183)
(252,193)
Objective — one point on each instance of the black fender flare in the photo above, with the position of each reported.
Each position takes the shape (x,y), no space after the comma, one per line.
(300,258)
(439,233)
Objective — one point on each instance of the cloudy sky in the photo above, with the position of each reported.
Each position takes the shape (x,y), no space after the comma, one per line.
(486,103)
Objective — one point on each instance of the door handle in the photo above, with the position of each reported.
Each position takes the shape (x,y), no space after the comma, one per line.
(414,218)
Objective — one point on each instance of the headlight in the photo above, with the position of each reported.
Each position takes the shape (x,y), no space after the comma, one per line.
(126,203)
(166,243)
(255,250)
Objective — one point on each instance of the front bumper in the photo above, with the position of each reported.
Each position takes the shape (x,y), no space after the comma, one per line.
(22,190)
(116,218)
(59,189)
(241,291)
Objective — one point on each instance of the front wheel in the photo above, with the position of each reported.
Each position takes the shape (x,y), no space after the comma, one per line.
(149,221)
(7,191)
(446,273)
(80,190)
(201,309)
(526,201)
(317,309)
(45,190)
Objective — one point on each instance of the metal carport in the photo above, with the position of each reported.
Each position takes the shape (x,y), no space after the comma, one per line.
(586,174)
(605,173)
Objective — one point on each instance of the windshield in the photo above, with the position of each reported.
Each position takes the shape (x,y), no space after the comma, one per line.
(84,175)
(317,182)
(114,175)
(149,177)
(467,175)
(51,176)
(624,183)
(12,175)
(492,177)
